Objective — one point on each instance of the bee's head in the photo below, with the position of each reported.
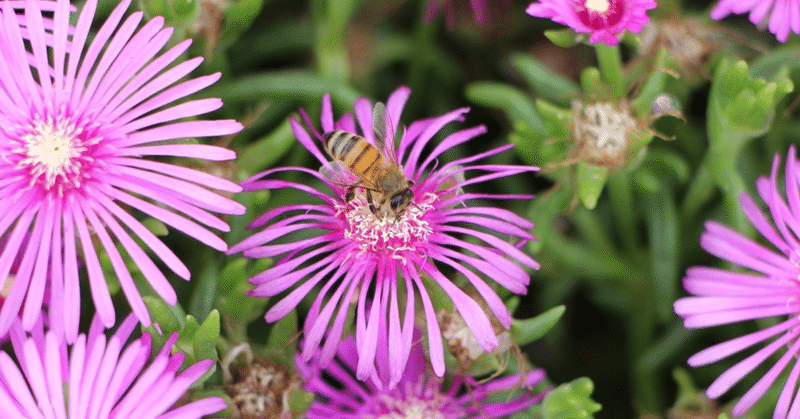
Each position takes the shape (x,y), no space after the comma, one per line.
(400,201)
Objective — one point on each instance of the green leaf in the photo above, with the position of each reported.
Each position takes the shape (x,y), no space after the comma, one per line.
(664,236)
(513,101)
(206,337)
(266,151)
(155,226)
(236,307)
(283,331)
(571,401)
(240,16)
(591,180)
(770,63)
(169,319)
(299,401)
(564,38)
(543,81)
(286,85)
(529,330)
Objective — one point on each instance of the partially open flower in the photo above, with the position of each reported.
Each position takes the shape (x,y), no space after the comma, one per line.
(604,20)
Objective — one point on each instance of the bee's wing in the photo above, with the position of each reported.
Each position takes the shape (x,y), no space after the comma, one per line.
(336,172)
(384,132)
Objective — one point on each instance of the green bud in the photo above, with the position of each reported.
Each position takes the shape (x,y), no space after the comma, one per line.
(571,401)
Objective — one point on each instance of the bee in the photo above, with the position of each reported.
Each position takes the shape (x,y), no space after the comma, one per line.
(387,189)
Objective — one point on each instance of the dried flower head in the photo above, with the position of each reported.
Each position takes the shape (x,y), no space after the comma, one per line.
(260,388)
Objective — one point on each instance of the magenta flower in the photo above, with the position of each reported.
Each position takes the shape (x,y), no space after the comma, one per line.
(75,148)
(100,377)
(418,394)
(349,249)
(781,16)
(603,19)
(768,288)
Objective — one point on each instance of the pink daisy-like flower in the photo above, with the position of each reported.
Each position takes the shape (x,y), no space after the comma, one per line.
(74,147)
(418,394)
(603,19)
(768,288)
(378,262)
(99,378)
(780,16)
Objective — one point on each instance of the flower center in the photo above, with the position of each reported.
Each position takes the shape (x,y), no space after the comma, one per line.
(54,152)
(388,236)
(598,6)
(601,14)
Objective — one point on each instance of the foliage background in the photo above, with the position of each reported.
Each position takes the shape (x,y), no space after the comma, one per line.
(616,268)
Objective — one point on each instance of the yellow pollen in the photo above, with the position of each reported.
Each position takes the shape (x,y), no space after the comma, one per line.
(599,6)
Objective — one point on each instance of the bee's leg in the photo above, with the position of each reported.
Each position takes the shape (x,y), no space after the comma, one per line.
(371,204)
(351,193)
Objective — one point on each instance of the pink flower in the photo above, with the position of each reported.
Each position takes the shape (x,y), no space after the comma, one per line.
(603,19)
(782,16)
(419,394)
(769,287)
(100,377)
(76,148)
(376,262)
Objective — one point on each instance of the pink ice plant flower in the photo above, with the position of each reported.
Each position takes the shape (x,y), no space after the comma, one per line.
(604,20)
(768,286)
(97,377)
(76,150)
(779,16)
(419,394)
(377,263)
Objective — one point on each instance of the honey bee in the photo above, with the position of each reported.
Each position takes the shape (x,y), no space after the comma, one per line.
(387,189)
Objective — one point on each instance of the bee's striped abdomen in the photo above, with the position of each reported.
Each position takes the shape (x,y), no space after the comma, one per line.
(354,151)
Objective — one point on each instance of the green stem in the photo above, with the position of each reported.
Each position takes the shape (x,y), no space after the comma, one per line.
(609,60)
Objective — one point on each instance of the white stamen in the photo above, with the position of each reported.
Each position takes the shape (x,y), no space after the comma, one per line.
(598,6)
(387,235)
(52,148)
